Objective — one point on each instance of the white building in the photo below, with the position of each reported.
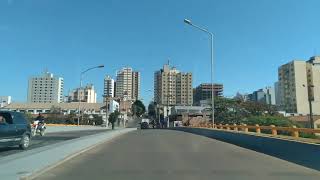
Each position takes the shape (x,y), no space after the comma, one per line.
(113,106)
(294,79)
(45,89)
(270,97)
(66,108)
(85,94)
(109,88)
(4,101)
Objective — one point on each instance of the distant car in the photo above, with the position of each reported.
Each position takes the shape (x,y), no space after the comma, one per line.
(15,130)
(145,123)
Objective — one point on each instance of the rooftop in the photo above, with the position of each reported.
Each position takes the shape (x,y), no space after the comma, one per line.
(75,105)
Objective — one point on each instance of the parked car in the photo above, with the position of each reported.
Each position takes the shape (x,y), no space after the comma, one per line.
(15,130)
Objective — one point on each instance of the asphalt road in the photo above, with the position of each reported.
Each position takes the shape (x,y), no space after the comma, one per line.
(48,139)
(166,154)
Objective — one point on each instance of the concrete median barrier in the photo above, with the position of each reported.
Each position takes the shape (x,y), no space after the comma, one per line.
(302,153)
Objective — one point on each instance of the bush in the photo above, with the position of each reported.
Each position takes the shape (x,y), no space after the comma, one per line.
(308,135)
(269,120)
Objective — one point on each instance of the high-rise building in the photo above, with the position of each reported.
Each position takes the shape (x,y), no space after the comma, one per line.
(172,87)
(136,85)
(265,96)
(124,83)
(204,92)
(45,89)
(128,84)
(294,79)
(184,89)
(109,88)
(85,94)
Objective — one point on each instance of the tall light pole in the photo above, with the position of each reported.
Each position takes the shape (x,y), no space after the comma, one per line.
(310,105)
(187,21)
(79,97)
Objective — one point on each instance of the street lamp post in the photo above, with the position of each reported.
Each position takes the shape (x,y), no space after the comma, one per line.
(310,105)
(107,99)
(79,97)
(187,21)
(168,109)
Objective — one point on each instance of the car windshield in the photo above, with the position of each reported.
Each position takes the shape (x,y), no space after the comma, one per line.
(160,89)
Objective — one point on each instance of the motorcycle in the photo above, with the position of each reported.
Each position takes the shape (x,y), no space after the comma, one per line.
(38,128)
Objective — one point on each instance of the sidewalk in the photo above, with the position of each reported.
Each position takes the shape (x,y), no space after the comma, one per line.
(51,129)
(27,163)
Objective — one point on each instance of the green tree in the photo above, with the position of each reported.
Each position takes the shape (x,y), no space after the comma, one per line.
(138,108)
(268,120)
(55,110)
(229,111)
(113,117)
(71,118)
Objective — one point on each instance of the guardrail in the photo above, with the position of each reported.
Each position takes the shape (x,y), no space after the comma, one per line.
(294,131)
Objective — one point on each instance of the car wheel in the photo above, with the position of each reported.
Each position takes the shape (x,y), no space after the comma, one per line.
(25,142)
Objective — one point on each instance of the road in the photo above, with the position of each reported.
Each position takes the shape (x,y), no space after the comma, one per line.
(166,154)
(50,138)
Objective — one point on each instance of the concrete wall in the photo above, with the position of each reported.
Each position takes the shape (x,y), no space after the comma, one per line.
(300,153)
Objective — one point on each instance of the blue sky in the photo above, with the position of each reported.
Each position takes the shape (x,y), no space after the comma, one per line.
(252,38)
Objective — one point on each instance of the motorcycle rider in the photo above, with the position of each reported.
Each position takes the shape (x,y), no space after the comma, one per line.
(40,118)
(39,121)
(39,125)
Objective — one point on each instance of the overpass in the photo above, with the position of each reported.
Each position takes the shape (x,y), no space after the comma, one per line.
(169,154)
(181,153)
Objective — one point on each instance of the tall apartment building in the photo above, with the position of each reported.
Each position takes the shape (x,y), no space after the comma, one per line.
(172,87)
(136,81)
(204,92)
(109,87)
(294,79)
(85,94)
(124,83)
(45,89)
(128,84)
(184,89)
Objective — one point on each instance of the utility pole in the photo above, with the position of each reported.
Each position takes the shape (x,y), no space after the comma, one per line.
(310,105)
(168,118)
(80,99)
(107,109)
